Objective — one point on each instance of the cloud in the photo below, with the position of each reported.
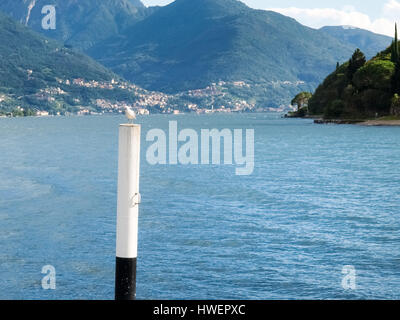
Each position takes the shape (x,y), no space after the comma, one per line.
(348,15)
(391,10)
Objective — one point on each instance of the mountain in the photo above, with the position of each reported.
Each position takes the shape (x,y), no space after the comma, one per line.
(208,51)
(40,74)
(80,24)
(190,44)
(368,42)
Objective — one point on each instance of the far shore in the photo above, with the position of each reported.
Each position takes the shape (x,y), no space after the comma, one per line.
(368,123)
(379,123)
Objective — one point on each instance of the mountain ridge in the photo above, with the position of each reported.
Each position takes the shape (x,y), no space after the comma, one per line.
(40,76)
(190,44)
(369,42)
(199,44)
(80,24)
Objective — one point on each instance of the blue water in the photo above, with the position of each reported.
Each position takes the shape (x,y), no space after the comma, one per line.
(321,197)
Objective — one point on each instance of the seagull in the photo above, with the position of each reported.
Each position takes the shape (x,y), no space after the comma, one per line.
(130,114)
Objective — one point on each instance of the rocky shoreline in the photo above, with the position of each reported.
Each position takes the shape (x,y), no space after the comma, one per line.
(337,121)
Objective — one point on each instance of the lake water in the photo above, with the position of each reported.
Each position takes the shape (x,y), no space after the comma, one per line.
(321,197)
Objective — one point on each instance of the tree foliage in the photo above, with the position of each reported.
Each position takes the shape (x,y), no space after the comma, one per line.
(301,100)
(358,89)
(395,48)
(395,52)
(395,106)
(357,61)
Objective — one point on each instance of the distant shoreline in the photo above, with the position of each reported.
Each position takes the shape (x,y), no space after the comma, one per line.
(2,116)
(379,123)
(367,123)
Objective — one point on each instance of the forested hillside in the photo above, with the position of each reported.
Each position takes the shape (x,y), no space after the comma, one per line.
(360,88)
(39,74)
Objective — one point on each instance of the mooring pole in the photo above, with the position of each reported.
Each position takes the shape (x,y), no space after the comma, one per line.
(127,211)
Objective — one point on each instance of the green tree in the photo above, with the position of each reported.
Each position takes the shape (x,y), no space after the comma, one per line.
(376,74)
(301,100)
(18,112)
(395,47)
(29,113)
(357,61)
(396,79)
(396,60)
(334,110)
(395,105)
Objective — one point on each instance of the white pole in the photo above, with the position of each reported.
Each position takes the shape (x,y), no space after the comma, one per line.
(127,211)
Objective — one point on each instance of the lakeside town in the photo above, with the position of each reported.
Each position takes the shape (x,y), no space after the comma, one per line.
(215,98)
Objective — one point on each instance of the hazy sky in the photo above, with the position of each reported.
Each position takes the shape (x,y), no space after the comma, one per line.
(375,15)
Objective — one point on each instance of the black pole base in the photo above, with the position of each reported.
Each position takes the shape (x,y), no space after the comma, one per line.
(125,279)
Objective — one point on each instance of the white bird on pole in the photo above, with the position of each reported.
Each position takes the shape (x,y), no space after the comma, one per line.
(130,114)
